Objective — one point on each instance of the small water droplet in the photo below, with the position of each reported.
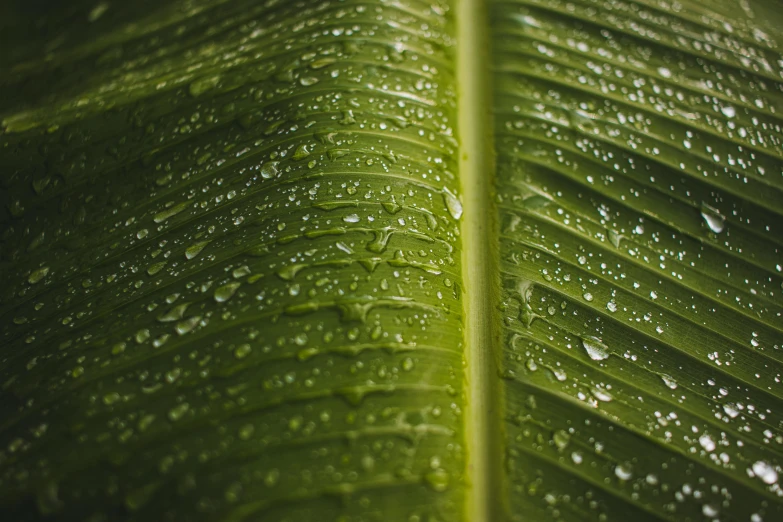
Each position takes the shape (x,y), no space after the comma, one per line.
(561,438)
(437,480)
(242,351)
(178,411)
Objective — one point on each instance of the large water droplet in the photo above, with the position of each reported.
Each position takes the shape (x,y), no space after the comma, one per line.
(765,472)
(601,394)
(713,218)
(37,275)
(623,471)
(595,348)
(452,204)
(195,249)
(269,170)
(226,292)
(707,442)
(669,381)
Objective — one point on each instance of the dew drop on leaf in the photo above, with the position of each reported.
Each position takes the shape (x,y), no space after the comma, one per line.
(765,472)
(595,348)
(453,204)
(715,221)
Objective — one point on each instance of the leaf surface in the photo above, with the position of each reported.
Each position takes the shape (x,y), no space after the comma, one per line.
(374,260)
(639,198)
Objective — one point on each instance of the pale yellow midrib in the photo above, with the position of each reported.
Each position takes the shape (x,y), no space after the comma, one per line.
(485,496)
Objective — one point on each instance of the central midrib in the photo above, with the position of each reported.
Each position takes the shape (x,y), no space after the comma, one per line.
(480,265)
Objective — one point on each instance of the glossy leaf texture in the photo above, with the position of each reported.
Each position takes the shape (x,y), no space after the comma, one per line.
(640,201)
(233,283)
(231,264)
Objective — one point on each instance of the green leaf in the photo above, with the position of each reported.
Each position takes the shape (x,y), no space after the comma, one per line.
(639,198)
(368,260)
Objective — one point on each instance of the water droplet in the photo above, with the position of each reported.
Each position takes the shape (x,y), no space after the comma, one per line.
(202,85)
(37,275)
(242,351)
(392,207)
(765,472)
(246,431)
(155,268)
(536,202)
(669,381)
(623,471)
(163,215)
(175,314)
(301,152)
(710,510)
(111,398)
(195,249)
(561,438)
(142,335)
(269,170)
(712,216)
(595,348)
(178,411)
(731,410)
(558,373)
(452,204)
(225,292)
(601,394)
(271,478)
(187,325)
(437,480)
(707,442)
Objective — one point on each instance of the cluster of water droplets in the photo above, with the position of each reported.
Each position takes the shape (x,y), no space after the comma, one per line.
(639,188)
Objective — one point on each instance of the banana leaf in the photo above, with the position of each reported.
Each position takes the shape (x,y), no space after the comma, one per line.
(391,260)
